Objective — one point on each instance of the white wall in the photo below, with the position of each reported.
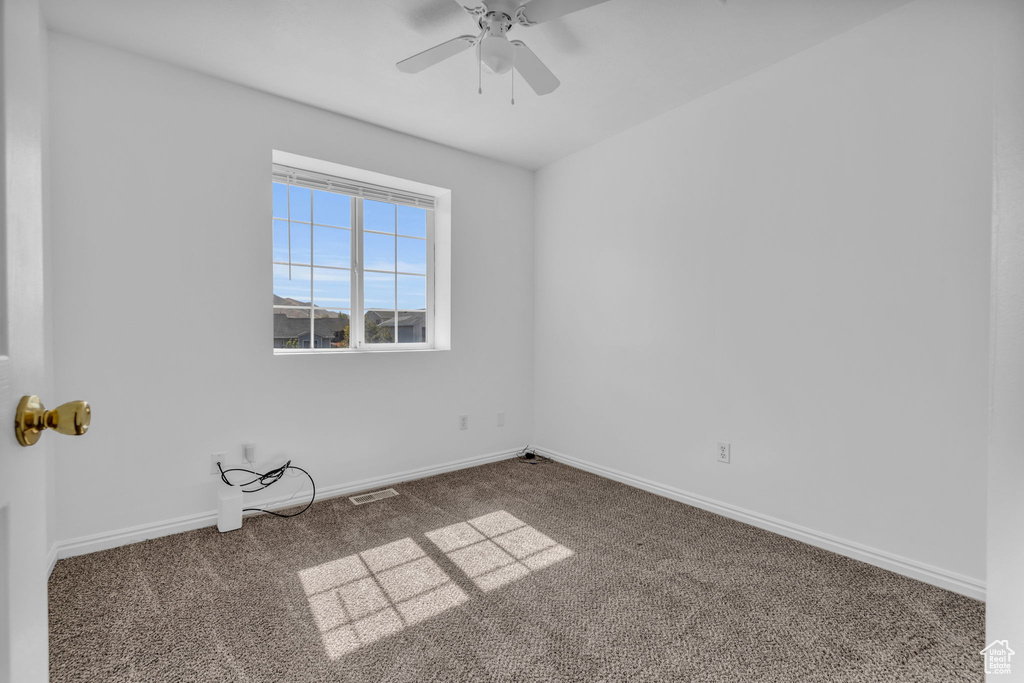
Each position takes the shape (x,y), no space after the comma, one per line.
(162,291)
(1005,613)
(797,264)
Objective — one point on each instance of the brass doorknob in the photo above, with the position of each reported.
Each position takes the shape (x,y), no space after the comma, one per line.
(32,418)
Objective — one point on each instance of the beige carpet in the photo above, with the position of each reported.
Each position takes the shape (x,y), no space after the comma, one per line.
(505,572)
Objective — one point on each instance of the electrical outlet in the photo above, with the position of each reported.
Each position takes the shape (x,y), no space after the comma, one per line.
(501,419)
(463,422)
(724,452)
(215,458)
(249,453)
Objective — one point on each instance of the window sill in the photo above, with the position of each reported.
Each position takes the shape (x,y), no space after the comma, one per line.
(343,352)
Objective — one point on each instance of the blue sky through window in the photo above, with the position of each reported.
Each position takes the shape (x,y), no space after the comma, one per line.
(378,216)
(280,200)
(378,251)
(298,203)
(412,255)
(323,219)
(412,293)
(378,290)
(331,288)
(412,221)
(332,247)
(331,208)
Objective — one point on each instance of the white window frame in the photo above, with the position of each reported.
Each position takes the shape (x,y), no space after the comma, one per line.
(358,320)
(360,185)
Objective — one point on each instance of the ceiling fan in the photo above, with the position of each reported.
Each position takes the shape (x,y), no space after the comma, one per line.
(495,52)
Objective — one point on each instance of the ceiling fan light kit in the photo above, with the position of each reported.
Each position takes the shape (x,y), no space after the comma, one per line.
(494,51)
(496,54)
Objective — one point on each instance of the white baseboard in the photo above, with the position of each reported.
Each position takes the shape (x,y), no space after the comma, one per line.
(51,560)
(112,539)
(958,583)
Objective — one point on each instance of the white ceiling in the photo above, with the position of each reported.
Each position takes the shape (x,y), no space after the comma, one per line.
(620,63)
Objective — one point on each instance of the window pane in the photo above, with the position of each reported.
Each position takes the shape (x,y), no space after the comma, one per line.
(293,290)
(378,216)
(298,206)
(378,252)
(281,241)
(332,247)
(378,290)
(331,288)
(291,328)
(412,292)
(300,243)
(280,200)
(331,208)
(412,221)
(412,327)
(330,329)
(412,255)
(379,327)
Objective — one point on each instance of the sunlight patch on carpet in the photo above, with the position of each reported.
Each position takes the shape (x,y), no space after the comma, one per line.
(496,549)
(359,599)
(362,598)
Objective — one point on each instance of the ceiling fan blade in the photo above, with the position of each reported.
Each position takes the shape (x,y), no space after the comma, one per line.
(533,70)
(475,7)
(436,54)
(539,11)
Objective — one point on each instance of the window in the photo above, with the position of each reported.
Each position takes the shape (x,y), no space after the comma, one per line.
(353,264)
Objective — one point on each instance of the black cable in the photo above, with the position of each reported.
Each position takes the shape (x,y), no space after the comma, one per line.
(266,479)
(530,457)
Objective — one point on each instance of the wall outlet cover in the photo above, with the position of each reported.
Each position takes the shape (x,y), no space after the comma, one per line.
(222,458)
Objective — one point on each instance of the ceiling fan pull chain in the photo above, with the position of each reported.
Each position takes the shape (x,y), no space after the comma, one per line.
(513,72)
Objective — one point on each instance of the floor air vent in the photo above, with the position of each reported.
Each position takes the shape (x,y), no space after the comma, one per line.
(370,497)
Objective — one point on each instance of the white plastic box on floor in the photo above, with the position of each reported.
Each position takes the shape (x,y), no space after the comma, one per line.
(229,508)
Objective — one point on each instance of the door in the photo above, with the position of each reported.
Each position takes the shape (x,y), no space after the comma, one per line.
(23,471)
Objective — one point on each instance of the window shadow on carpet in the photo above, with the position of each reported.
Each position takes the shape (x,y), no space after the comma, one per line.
(496,549)
(362,598)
